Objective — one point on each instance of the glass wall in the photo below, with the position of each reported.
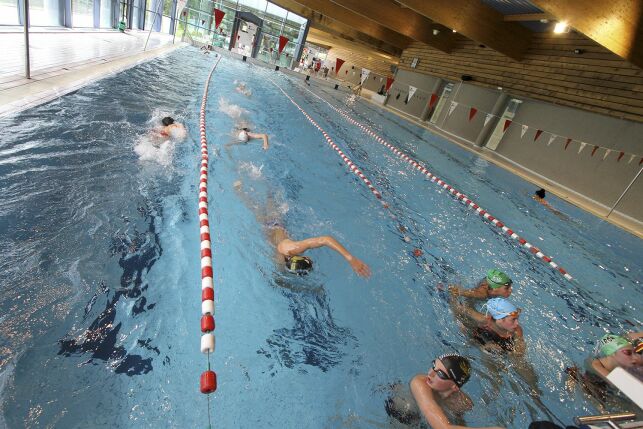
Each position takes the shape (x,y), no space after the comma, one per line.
(9,12)
(106,13)
(82,13)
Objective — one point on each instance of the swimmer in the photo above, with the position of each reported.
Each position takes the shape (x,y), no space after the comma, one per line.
(241,87)
(207,48)
(612,351)
(539,196)
(171,129)
(245,135)
(288,252)
(495,284)
(498,329)
(439,393)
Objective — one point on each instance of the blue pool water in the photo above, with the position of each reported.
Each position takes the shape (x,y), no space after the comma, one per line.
(100,303)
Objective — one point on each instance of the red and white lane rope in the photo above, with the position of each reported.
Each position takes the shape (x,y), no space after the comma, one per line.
(208,381)
(459,195)
(332,144)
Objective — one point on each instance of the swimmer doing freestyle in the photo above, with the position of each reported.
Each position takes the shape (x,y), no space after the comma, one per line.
(288,252)
(245,135)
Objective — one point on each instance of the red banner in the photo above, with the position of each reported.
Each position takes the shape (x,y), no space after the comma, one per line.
(338,65)
(538,133)
(433,100)
(218,17)
(472,113)
(389,82)
(507,123)
(283,41)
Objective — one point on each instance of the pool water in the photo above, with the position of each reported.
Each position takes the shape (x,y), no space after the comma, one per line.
(100,276)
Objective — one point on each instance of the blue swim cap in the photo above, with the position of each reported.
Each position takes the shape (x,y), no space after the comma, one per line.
(500,308)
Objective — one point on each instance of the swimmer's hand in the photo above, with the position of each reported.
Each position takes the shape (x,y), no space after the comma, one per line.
(265,145)
(360,267)
(454,290)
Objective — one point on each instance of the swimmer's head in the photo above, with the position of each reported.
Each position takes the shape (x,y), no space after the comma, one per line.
(458,368)
(243,135)
(610,344)
(300,265)
(499,283)
(504,313)
(167,121)
(540,193)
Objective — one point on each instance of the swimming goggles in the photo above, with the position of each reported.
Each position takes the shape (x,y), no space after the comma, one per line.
(441,374)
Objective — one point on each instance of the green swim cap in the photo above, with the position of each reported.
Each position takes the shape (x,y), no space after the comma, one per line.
(610,344)
(496,278)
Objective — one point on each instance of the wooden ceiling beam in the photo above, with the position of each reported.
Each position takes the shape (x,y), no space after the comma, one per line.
(615,24)
(357,22)
(477,21)
(401,20)
(344,31)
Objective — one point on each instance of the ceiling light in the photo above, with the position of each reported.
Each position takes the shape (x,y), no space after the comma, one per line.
(561,27)
(436,31)
(454,30)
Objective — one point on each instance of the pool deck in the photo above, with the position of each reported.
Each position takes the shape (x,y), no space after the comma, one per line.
(63,60)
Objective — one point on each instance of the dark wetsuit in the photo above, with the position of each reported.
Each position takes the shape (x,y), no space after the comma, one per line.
(484,336)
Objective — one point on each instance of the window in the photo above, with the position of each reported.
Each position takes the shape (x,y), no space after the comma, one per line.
(9,12)
(446,92)
(498,132)
(45,13)
(82,13)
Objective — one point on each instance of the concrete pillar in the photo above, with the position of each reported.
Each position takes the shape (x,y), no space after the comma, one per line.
(434,90)
(498,109)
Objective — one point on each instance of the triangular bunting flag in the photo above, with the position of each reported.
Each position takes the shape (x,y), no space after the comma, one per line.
(507,123)
(381,79)
(487,118)
(641,161)
(631,159)
(283,41)
(452,107)
(620,155)
(567,143)
(433,100)
(523,130)
(218,17)
(472,113)
(538,133)
(338,65)
(365,73)
(412,90)
(389,82)
(581,147)
(551,139)
(607,152)
(594,150)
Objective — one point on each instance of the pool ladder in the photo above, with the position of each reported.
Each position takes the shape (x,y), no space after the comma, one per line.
(611,420)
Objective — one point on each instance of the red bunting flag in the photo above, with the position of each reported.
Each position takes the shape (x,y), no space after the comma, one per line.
(218,17)
(594,150)
(433,100)
(538,133)
(389,82)
(641,161)
(507,123)
(620,155)
(338,65)
(567,143)
(346,71)
(283,41)
(472,113)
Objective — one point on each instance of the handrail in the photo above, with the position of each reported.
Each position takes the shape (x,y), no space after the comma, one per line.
(603,418)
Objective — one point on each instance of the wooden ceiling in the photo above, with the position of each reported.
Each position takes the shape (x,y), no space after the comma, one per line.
(389,26)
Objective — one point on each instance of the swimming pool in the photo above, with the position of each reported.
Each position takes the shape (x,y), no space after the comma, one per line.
(100,282)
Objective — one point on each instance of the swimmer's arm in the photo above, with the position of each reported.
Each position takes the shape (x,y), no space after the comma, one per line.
(599,368)
(432,412)
(634,335)
(327,241)
(463,311)
(264,137)
(478,292)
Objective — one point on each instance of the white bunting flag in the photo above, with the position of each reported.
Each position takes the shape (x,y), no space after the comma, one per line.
(452,107)
(524,130)
(365,73)
(487,119)
(412,90)
(381,79)
(607,152)
(631,158)
(551,139)
(582,146)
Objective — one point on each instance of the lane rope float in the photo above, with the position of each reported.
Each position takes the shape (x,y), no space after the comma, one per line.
(351,165)
(459,195)
(208,380)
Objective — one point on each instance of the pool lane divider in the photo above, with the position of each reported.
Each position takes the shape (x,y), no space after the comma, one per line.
(458,195)
(208,380)
(351,165)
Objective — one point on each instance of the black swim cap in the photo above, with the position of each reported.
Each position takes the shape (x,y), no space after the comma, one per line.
(167,121)
(540,193)
(458,367)
(300,265)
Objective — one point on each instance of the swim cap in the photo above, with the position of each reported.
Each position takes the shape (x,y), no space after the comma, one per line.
(300,265)
(638,345)
(540,193)
(458,367)
(243,136)
(610,344)
(496,278)
(499,308)
(167,121)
